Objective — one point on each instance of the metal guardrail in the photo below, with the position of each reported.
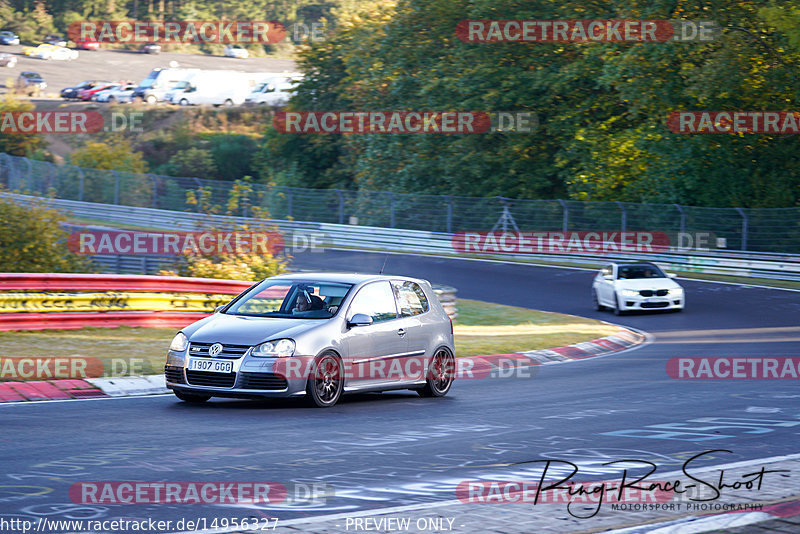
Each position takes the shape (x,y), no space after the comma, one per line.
(736,263)
(747,229)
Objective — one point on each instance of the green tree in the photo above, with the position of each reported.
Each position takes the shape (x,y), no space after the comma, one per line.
(117,155)
(32,240)
(19,144)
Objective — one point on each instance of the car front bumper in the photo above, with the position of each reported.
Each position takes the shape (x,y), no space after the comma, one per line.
(639,303)
(251,378)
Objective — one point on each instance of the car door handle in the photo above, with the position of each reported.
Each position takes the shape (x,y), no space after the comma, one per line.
(401,332)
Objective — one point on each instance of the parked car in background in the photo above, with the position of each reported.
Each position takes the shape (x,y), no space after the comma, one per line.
(71,93)
(8,60)
(30,83)
(55,40)
(89,93)
(317,335)
(9,38)
(275,91)
(236,51)
(117,95)
(158,83)
(642,286)
(150,48)
(87,44)
(48,52)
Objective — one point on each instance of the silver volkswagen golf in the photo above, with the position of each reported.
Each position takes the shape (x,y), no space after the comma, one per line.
(317,335)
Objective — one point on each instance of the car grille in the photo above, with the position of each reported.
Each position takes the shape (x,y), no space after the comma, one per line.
(229,352)
(262,381)
(655,304)
(174,374)
(651,292)
(204,378)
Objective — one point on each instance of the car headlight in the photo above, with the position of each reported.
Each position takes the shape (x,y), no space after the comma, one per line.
(677,291)
(179,342)
(629,293)
(281,348)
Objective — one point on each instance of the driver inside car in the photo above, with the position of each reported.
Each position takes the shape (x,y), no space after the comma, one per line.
(307,303)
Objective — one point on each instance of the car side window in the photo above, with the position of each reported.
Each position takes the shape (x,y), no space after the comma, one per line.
(376,300)
(411,299)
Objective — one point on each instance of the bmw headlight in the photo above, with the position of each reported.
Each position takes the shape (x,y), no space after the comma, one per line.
(629,293)
(179,342)
(675,292)
(281,348)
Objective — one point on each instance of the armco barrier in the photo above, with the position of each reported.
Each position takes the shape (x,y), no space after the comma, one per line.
(727,262)
(102,300)
(118,282)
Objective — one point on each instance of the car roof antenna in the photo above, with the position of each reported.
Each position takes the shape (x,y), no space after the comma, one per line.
(384,263)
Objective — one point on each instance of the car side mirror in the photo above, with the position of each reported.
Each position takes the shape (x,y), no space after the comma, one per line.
(219,308)
(672,275)
(359,319)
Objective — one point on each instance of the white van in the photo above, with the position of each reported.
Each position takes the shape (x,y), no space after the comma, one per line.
(155,87)
(215,87)
(274,91)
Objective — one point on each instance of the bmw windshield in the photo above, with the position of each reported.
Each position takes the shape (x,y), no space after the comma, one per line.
(291,299)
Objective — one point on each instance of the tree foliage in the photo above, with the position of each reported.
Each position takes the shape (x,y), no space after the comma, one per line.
(32,240)
(602,107)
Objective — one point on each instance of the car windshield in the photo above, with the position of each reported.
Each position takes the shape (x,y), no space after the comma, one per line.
(632,272)
(291,299)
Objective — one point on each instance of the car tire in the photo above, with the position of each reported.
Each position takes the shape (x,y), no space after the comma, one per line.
(441,373)
(596,301)
(183,102)
(324,387)
(191,397)
(151,99)
(112,100)
(617,310)
(228,103)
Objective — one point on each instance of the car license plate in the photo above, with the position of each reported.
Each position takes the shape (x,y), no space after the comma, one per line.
(212,366)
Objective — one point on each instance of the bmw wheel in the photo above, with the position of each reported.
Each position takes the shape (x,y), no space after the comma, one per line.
(596,301)
(325,382)
(617,310)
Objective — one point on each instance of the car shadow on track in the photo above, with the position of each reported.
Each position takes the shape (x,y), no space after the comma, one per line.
(293,404)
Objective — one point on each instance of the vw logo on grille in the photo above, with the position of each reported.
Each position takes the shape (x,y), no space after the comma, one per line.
(214,349)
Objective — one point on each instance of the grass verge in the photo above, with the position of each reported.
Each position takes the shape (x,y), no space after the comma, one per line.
(486,328)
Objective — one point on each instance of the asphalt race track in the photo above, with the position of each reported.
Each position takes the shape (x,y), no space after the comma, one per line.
(385,450)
